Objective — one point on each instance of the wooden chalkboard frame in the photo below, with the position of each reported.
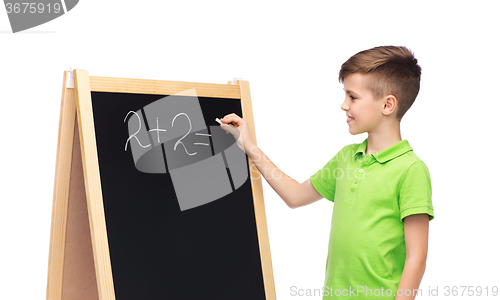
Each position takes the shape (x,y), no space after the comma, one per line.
(79,260)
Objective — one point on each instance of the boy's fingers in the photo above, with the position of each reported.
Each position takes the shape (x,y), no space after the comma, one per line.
(230,129)
(231,118)
(227,127)
(232,114)
(227,116)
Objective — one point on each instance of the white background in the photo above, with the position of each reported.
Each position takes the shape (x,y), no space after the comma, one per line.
(290,52)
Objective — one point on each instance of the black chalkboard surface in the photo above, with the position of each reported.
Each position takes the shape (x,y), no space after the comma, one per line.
(152,199)
(158,251)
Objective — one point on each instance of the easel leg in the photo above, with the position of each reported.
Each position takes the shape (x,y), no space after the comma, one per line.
(71,273)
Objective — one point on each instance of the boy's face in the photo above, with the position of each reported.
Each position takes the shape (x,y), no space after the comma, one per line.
(360,104)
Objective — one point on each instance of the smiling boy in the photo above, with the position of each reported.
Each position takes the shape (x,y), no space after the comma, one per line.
(380,189)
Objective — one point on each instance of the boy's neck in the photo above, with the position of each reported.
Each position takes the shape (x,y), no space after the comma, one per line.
(383,138)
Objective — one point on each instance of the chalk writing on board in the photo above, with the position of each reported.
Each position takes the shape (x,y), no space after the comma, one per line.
(179,141)
(133,135)
(157,129)
(211,165)
(204,134)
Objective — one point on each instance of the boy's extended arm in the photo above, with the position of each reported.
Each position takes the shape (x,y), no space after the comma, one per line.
(416,228)
(293,193)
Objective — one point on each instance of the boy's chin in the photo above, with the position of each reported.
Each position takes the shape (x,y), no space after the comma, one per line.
(355,132)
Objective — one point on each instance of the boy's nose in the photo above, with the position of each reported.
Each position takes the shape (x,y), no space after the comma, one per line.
(344,107)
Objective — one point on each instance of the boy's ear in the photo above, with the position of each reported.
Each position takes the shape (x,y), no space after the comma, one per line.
(390,104)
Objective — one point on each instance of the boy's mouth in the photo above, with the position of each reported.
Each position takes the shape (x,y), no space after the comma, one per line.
(349,119)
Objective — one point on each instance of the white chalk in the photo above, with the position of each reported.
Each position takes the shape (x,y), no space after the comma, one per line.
(218,121)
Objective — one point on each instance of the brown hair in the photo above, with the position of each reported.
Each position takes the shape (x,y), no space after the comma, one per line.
(394,71)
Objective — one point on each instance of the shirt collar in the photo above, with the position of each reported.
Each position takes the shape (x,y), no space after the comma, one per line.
(387,154)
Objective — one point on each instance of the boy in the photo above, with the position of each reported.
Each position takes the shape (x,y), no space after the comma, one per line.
(381,189)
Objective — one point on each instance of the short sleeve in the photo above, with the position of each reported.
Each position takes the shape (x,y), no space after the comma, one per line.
(415,194)
(324,179)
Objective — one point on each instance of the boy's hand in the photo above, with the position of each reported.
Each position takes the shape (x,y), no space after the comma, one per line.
(238,127)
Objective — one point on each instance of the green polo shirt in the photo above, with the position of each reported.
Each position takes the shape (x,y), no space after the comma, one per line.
(371,194)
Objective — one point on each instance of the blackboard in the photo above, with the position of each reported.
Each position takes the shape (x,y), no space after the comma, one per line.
(149,240)
(158,251)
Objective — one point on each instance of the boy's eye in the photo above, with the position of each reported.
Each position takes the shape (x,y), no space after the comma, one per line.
(352,97)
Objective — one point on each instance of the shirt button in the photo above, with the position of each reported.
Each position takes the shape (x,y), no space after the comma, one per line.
(361,170)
